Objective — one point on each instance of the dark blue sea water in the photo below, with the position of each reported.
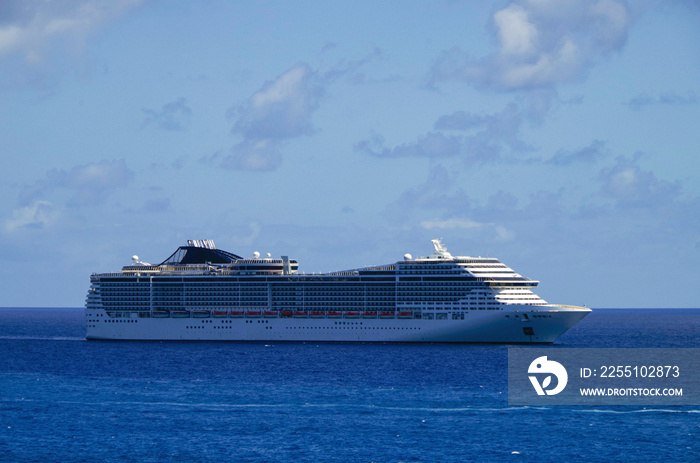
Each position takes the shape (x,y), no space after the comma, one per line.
(66,399)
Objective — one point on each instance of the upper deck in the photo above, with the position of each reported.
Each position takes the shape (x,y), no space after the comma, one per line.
(200,257)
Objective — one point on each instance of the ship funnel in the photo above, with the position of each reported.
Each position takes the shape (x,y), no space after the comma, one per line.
(206,244)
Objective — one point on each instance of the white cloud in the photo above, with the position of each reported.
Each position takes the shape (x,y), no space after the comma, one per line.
(431,145)
(10,38)
(174,116)
(281,109)
(517,35)
(433,194)
(589,154)
(670,98)
(630,186)
(490,130)
(504,234)
(89,184)
(484,140)
(30,28)
(36,215)
(541,43)
(260,155)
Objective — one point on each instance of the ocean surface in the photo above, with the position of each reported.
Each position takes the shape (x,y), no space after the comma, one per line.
(64,399)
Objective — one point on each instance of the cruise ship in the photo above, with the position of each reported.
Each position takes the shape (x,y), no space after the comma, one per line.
(201,293)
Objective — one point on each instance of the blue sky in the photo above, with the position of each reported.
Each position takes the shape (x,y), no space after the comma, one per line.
(561,136)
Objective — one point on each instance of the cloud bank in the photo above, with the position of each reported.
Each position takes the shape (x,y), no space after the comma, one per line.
(633,188)
(40,205)
(476,138)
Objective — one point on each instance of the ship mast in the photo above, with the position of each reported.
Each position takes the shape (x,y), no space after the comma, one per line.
(440,249)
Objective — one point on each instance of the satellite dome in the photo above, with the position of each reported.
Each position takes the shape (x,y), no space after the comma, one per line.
(407,257)
(256,255)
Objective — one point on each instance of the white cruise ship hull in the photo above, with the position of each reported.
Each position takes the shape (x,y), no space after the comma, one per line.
(543,325)
(201,293)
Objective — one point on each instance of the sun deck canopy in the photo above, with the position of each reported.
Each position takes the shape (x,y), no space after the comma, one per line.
(186,255)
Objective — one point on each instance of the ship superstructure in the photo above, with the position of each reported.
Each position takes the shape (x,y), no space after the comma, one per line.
(204,293)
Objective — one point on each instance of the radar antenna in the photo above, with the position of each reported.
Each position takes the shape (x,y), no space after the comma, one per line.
(440,249)
(136,261)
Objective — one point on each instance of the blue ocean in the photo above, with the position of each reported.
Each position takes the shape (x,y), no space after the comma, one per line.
(66,399)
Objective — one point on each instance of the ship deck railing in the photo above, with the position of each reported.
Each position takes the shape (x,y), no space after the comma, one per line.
(355,271)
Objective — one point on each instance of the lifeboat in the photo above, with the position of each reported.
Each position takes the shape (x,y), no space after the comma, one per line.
(270,314)
(253,314)
(335,315)
(201,314)
(352,314)
(386,315)
(181,314)
(405,314)
(301,315)
(218,314)
(369,315)
(317,315)
(160,314)
(237,314)
(286,313)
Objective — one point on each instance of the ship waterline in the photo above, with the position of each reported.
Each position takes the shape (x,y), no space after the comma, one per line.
(201,293)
